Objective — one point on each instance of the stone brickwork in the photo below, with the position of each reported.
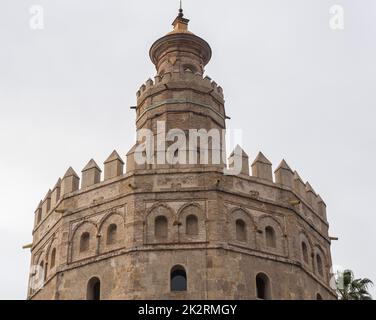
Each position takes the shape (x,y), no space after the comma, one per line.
(130,229)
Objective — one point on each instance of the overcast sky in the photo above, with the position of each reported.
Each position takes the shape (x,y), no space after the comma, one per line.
(298,89)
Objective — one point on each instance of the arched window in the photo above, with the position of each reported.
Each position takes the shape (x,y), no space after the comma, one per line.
(305,252)
(241,231)
(263,287)
(111,234)
(190,67)
(161,227)
(53,258)
(85,242)
(178,279)
(320,269)
(319,297)
(192,225)
(270,237)
(93,291)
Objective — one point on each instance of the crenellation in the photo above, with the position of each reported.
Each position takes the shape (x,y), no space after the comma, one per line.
(284,175)
(299,185)
(207,82)
(55,195)
(38,213)
(113,166)
(321,205)
(239,155)
(157,79)
(310,195)
(166,77)
(46,205)
(91,174)
(70,182)
(262,168)
(178,79)
(149,83)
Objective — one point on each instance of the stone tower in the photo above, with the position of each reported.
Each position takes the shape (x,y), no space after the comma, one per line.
(179,230)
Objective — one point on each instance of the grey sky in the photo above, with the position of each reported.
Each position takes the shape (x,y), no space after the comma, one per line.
(296,88)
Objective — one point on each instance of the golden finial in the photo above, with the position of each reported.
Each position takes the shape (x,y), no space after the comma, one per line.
(180,23)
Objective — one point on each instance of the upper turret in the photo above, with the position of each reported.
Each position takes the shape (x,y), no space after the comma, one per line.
(180,50)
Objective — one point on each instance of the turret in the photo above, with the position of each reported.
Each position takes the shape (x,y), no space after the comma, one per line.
(180,50)
(180,96)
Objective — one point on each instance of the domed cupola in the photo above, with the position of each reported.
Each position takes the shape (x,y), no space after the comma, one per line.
(180,50)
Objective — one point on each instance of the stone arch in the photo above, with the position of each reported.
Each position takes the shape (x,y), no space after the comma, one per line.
(93,289)
(305,258)
(185,216)
(263,286)
(265,222)
(178,278)
(156,212)
(320,262)
(75,243)
(241,214)
(109,220)
(51,243)
(51,254)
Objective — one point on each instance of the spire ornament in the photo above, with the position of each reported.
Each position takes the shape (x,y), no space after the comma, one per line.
(181,14)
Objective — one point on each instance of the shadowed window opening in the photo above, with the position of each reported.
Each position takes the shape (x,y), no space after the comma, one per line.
(270,237)
(319,265)
(93,289)
(161,226)
(305,252)
(192,225)
(263,287)
(85,242)
(241,231)
(53,258)
(178,279)
(319,297)
(111,234)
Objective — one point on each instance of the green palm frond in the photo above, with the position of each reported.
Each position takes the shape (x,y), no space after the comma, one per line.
(349,288)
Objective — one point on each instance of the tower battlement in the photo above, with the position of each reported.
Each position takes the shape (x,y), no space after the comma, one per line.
(303,197)
(180,80)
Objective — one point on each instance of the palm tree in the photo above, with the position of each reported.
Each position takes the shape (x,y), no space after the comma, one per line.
(349,288)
